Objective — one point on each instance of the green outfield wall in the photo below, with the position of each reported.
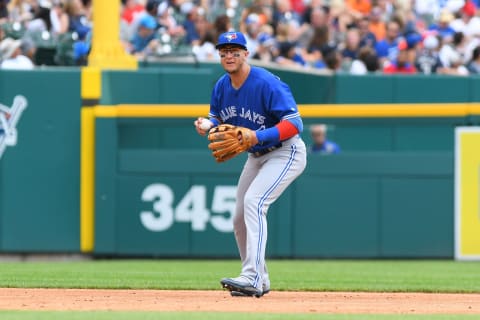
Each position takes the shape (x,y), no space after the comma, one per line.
(164,201)
(122,172)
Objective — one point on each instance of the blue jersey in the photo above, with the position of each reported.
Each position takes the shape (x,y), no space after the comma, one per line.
(260,103)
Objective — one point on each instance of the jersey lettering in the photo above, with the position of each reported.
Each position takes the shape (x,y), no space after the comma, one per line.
(246,114)
(228,113)
(252,116)
(261,119)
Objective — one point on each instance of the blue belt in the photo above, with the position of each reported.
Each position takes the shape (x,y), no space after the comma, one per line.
(266,150)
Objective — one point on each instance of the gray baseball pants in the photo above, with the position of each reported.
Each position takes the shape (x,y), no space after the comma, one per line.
(262,181)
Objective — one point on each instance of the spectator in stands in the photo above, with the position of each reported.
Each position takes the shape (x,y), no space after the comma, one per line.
(468,23)
(387,49)
(451,51)
(308,16)
(367,62)
(168,21)
(253,24)
(3,11)
(376,25)
(414,45)
(130,10)
(318,17)
(58,18)
(455,65)
(388,8)
(19,11)
(442,27)
(401,64)
(205,50)
(319,47)
(367,38)
(77,18)
(428,60)
(289,55)
(190,10)
(359,8)
(320,143)
(88,8)
(128,30)
(266,50)
(334,61)
(283,13)
(254,13)
(298,6)
(339,20)
(40,19)
(222,24)
(352,44)
(12,56)
(144,41)
(426,10)
(474,65)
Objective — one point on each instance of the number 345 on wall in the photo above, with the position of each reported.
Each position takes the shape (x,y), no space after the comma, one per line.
(192,208)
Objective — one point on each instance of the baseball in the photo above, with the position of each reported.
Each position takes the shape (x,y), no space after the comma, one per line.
(206,124)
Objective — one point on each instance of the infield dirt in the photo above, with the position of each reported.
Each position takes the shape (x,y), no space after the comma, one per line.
(274,302)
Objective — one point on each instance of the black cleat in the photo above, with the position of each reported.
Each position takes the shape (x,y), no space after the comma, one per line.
(241,294)
(240,288)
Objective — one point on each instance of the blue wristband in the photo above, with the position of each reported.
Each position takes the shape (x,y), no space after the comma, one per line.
(268,135)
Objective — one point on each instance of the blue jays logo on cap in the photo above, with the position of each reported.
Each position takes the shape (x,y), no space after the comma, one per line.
(232,38)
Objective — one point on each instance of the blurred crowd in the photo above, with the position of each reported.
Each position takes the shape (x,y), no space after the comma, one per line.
(351,36)
(44,32)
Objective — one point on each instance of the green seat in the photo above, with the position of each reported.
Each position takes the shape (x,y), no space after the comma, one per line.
(64,54)
(13,30)
(45,44)
(44,56)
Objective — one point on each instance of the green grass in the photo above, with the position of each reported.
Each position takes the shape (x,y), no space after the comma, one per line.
(104,315)
(309,275)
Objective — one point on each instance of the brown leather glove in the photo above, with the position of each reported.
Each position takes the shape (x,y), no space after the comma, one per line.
(228,141)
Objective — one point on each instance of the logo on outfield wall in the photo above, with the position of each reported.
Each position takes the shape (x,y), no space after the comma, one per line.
(9,117)
(192,208)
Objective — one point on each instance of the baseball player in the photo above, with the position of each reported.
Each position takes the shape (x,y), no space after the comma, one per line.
(251,97)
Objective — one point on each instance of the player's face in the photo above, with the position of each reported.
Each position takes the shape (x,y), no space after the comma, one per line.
(232,58)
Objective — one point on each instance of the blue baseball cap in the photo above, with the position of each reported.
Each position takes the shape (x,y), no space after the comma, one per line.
(148,22)
(232,38)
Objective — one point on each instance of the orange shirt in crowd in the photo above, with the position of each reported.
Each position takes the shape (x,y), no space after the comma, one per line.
(363,6)
(378,29)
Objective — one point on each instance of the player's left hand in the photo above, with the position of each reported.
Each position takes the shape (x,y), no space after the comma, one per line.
(228,141)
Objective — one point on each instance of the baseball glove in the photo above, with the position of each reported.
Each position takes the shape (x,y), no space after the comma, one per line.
(228,141)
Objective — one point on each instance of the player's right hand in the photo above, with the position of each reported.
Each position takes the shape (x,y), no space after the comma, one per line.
(198,126)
